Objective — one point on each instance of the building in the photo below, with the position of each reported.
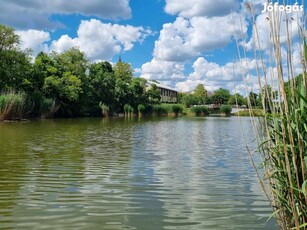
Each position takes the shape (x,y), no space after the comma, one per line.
(168,94)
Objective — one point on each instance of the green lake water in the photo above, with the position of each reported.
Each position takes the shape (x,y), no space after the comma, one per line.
(164,173)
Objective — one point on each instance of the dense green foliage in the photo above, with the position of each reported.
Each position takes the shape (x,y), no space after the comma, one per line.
(14,63)
(250,112)
(220,96)
(12,106)
(199,110)
(225,109)
(237,99)
(176,109)
(286,156)
(67,84)
(190,99)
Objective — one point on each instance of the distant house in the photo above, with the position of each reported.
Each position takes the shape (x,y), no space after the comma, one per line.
(168,94)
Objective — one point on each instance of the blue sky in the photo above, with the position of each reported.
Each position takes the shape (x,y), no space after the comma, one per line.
(179,43)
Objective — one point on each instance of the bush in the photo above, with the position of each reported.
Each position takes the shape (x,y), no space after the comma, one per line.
(12,106)
(177,109)
(141,108)
(104,109)
(226,109)
(128,110)
(199,110)
(161,109)
(48,107)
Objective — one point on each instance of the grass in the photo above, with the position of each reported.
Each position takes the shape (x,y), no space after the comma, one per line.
(250,112)
(12,106)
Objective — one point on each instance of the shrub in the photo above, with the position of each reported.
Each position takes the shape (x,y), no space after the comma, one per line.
(128,109)
(141,108)
(176,109)
(199,110)
(160,109)
(12,106)
(104,109)
(225,109)
(48,107)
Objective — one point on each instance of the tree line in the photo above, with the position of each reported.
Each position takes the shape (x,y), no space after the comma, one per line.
(66,84)
(221,96)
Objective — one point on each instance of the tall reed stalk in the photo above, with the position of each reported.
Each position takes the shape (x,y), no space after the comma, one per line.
(12,106)
(282,136)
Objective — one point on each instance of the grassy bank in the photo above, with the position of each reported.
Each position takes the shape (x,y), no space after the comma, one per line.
(252,112)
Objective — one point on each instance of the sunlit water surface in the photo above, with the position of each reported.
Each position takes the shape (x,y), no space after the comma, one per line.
(167,173)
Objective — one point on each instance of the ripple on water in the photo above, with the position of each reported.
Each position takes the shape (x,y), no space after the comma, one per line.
(118,174)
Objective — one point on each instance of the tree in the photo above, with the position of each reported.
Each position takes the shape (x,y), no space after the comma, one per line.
(254,99)
(68,84)
(121,93)
(8,39)
(15,66)
(73,61)
(64,89)
(201,93)
(153,94)
(101,87)
(236,99)
(123,71)
(190,99)
(220,96)
(137,89)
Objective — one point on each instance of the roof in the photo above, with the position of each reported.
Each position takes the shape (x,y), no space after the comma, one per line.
(161,86)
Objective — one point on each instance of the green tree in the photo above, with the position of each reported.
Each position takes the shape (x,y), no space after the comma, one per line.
(137,89)
(73,63)
(64,89)
(236,99)
(44,66)
(66,81)
(101,87)
(123,71)
(122,94)
(190,99)
(201,93)
(254,99)
(15,66)
(153,94)
(220,96)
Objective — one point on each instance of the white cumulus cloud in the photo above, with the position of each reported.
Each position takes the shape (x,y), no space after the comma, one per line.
(187,38)
(102,40)
(35,40)
(162,70)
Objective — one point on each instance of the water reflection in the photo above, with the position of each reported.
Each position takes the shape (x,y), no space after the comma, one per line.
(174,173)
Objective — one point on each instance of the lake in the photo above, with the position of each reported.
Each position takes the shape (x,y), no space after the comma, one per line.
(158,173)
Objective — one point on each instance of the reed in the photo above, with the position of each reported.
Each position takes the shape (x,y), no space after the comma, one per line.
(104,109)
(282,136)
(176,109)
(141,110)
(128,109)
(12,106)
(48,107)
